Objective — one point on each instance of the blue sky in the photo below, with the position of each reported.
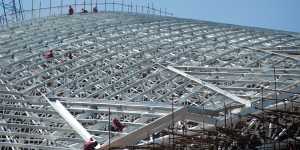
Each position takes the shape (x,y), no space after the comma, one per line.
(274,14)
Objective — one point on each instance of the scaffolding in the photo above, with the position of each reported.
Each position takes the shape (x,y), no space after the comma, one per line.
(13,11)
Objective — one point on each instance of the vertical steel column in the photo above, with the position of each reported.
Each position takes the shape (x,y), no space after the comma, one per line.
(61,7)
(21,9)
(148,7)
(105,9)
(109,128)
(113,5)
(91,5)
(84,4)
(263,114)
(122,6)
(4,11)
(128,8)
(275,87)
(31,9)
(225,116)
(159,11)
(142,9)
(173,124)
(131,6)
(75,6)
(97,5)
(40,9)
(15,9)
(165,11)
(153,11)
(50,7)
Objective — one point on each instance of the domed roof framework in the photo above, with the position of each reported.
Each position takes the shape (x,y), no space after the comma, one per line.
(141,67)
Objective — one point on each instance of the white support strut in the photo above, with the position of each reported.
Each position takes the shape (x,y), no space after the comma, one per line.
(69,118)
(212,87)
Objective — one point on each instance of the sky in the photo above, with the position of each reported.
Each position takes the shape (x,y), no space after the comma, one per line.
(272,14)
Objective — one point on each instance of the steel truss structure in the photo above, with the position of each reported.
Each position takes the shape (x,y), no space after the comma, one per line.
(12,11)
(150,72)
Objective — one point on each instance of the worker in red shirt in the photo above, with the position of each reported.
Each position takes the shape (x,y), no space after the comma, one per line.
(90,144)
(48,54)
(117,126)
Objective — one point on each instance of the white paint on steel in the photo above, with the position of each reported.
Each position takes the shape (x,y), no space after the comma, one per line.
(212,87)
(69,118)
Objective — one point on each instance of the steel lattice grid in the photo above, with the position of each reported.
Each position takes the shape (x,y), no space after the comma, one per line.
(120,57)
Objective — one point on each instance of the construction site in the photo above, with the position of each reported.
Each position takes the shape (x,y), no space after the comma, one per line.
(136,77)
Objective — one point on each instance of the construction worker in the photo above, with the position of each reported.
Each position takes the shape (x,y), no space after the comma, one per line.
(71,10)
(84,11)
(90,144)
(95,9)
(70,55)
(117,126)
(48,54)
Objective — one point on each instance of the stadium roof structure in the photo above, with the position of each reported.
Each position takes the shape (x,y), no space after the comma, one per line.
(148,71)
